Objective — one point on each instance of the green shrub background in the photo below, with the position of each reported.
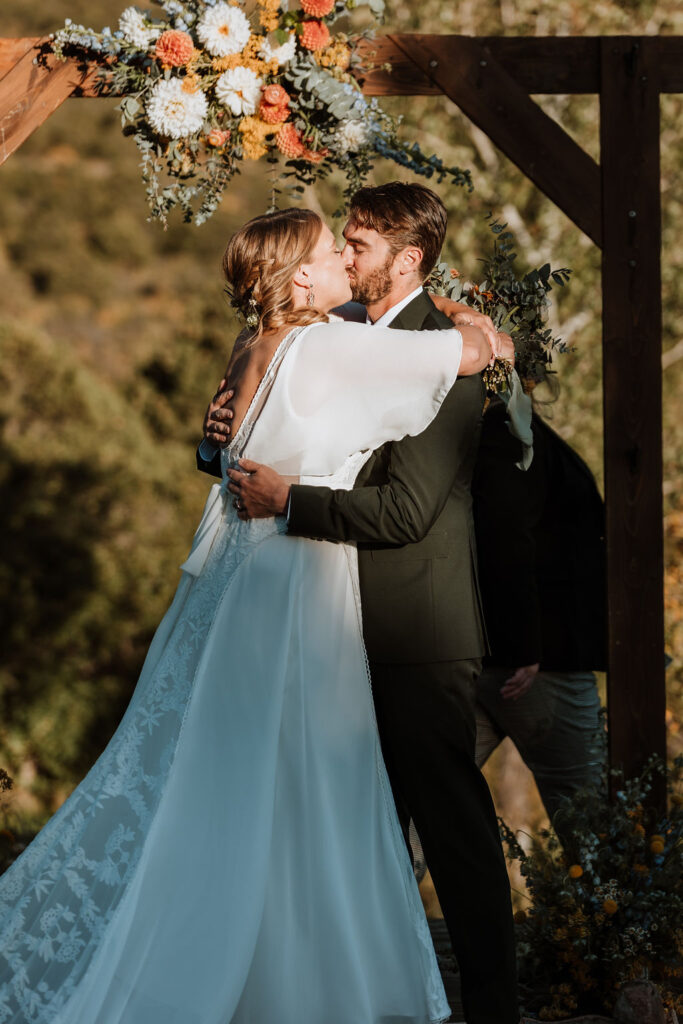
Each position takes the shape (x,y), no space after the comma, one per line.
(114,334)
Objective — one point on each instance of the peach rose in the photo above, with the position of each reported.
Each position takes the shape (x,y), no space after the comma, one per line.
(217,138)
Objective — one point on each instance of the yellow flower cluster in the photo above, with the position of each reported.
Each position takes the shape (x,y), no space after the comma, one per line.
(582,976)
(563,1002)
(248,58)
(254,132)
(336,55)
(269,15)
(191,82)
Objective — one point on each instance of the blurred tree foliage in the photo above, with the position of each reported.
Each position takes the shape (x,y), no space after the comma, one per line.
(114,334)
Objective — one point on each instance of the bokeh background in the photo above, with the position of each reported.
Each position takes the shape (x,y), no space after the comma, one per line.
(114,334)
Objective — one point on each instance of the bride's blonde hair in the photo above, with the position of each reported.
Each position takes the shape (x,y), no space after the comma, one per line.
(260,262)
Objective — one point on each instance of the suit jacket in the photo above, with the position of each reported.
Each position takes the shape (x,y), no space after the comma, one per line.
(541,547)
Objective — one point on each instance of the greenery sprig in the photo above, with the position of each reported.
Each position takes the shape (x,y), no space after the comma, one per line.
(517,303)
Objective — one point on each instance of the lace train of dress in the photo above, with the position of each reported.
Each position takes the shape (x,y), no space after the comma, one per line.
(234,856)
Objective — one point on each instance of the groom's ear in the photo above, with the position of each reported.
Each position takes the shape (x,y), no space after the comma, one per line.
(410,259)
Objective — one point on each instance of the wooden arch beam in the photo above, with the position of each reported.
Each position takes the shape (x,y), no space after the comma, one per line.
(466,71)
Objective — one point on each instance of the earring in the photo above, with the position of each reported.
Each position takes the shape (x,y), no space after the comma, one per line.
(311,298)
(252,317)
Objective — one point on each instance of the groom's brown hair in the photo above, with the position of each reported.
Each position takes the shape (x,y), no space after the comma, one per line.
(404,213)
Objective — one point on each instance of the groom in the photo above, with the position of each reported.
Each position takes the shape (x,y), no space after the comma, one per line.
(410,513)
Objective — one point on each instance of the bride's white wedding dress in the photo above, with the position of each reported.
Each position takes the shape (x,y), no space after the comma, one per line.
(234,856)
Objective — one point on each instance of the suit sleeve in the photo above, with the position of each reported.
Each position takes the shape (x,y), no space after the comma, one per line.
(508,504)
(420,474)
(212,467)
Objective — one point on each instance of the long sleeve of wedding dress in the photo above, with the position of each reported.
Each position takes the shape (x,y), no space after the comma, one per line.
(234,856)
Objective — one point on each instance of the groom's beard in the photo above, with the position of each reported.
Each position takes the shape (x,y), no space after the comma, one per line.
(373,286)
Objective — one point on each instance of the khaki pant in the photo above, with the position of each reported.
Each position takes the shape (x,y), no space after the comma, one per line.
(554,727)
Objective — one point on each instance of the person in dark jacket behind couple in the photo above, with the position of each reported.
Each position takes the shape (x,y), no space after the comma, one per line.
(542,576)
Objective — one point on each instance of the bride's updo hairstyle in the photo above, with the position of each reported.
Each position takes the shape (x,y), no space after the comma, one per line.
(260,262)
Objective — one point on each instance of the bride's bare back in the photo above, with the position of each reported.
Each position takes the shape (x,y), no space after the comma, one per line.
(246,369)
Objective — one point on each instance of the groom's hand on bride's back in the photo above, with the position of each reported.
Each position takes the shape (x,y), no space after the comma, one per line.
(260,492)
(218,416)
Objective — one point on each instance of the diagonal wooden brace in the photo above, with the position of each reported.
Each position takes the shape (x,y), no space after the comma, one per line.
(468,74)
(30,92)
(12,50)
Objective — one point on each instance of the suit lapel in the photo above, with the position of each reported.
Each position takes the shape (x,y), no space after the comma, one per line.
(413,316)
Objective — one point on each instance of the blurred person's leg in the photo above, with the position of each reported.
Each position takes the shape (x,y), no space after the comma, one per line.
(555,727)
(568,757)
(489,735)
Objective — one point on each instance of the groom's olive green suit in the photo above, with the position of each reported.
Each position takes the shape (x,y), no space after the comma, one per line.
(410,511)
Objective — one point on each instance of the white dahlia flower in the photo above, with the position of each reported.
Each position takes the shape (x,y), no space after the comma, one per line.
(239,90)
(223,30)
(351,136)
(173,112)
(135,31)
(281,52)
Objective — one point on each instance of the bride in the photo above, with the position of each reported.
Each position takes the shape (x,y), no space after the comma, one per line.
(234,856)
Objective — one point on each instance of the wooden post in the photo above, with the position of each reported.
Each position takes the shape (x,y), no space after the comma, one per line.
(632,371)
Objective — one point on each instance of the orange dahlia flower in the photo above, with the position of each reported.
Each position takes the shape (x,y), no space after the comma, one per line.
(289,141)
(174,48)
(317,8)
(315,35)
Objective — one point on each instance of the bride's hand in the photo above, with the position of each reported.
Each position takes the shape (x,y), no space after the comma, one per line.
(462,316)
(217,417)
(505,347)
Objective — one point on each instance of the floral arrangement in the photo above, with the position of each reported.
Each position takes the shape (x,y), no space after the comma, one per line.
(206,85)
(517,303)
(607,909)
